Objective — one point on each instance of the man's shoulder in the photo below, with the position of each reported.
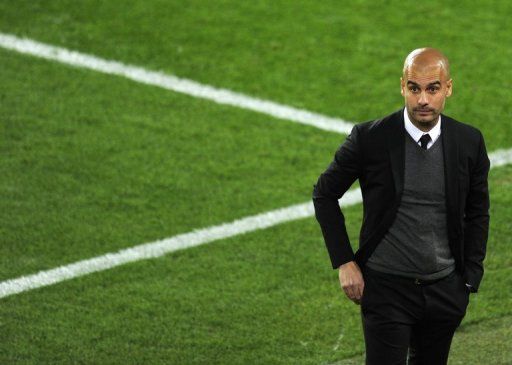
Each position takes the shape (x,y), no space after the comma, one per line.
(463,130)
(377,125)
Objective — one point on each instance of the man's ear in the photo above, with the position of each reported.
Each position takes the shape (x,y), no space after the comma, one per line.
(449,88)
(402,86)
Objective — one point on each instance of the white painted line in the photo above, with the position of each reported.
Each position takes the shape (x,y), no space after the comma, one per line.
(160,248)
(170,82)
(500,157)
(186,240)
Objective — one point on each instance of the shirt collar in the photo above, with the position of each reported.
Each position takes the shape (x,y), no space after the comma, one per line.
(416,133)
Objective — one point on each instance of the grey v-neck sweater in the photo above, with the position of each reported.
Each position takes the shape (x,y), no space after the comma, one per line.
(416,244)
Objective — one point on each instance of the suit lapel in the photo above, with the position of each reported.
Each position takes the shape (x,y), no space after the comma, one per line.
(396,149)
(451,156)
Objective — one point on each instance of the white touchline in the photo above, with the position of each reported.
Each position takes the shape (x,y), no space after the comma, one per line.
(182,241)
(170,82)
(160,248)
(500,157)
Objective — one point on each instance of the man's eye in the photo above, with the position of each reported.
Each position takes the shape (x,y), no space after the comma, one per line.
(413,89)
(433,89)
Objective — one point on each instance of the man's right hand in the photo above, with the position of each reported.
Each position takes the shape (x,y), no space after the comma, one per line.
(351,281)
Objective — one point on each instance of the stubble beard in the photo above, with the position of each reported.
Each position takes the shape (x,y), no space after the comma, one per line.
(425,123)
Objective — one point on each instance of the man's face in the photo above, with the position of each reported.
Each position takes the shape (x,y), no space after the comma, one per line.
(425,90)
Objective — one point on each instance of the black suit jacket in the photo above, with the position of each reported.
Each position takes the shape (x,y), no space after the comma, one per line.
(374,153)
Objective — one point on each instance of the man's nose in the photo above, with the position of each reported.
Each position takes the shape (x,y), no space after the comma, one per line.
(423,100)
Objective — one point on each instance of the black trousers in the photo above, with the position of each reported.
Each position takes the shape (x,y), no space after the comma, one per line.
(406,318)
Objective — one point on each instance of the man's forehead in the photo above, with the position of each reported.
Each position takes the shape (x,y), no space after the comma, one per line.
(426,74)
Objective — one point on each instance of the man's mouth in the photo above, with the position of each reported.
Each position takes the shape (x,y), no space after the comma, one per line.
(423,112)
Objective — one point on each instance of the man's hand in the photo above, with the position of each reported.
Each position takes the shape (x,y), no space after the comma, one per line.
(351,281)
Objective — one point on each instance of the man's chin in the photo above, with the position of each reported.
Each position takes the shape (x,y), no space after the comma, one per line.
(426,119)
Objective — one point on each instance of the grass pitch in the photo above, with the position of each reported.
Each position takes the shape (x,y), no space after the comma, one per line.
(93,163)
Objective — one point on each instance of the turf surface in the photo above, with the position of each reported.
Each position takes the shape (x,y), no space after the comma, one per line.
(97,171)
(93,163)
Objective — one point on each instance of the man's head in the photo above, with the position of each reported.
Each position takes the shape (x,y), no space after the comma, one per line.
(425,85)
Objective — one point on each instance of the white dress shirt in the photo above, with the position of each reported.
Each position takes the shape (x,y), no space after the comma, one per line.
(416,133)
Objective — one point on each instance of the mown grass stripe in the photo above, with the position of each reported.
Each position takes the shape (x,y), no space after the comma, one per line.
(187,240)
(170,82)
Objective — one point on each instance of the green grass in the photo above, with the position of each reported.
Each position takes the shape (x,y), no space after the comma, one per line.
(94,163)
(89,171)
(340,58)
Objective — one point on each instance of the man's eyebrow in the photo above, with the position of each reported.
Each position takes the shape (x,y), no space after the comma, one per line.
(437,82)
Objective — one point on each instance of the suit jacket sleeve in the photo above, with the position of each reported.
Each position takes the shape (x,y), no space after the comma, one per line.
(330,187)
(476,218)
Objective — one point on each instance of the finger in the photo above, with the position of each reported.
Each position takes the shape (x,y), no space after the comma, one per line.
(351,290)
(360,290)
(348,292)
(353,293)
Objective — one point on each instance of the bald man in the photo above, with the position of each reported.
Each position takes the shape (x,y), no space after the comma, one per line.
(423,177)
